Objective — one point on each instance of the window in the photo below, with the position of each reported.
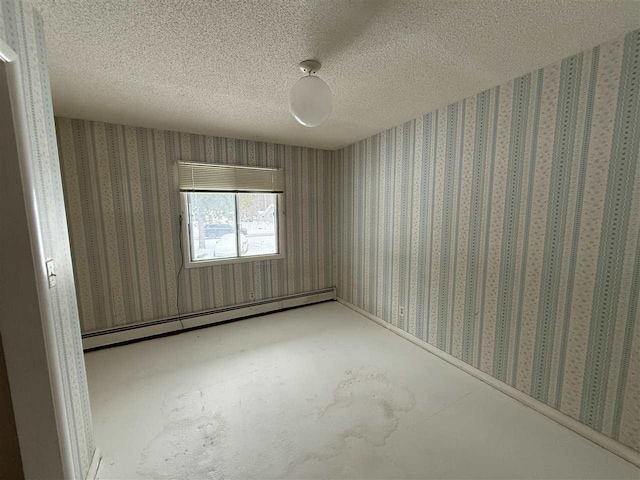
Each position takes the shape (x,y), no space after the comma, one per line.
(222,226)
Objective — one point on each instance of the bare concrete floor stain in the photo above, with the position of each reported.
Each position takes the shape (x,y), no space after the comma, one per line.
(193,435)
(365,407)
(313,393)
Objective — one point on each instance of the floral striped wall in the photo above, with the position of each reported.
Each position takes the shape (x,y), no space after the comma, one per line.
(121,191)
(21,28)
(504,229)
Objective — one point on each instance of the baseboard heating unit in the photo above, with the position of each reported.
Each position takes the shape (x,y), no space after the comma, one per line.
(129,333)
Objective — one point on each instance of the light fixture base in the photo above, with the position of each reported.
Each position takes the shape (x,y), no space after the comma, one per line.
(309,66)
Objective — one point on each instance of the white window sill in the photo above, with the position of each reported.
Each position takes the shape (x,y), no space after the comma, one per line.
(229,261)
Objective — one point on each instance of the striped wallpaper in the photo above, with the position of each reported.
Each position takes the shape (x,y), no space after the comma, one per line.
(504,229)
(121,190)
(22,29)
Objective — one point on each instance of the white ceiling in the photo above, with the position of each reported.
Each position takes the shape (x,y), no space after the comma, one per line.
(225,67)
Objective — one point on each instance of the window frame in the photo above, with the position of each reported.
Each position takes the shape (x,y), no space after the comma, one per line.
(186,233)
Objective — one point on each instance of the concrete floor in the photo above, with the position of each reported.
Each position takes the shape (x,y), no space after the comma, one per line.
(316,392)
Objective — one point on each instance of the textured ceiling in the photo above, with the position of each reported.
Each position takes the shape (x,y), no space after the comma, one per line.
(225,67)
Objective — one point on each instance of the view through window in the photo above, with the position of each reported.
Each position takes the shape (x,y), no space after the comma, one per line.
(229,225)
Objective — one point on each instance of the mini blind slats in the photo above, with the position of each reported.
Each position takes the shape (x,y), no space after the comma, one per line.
(206,177)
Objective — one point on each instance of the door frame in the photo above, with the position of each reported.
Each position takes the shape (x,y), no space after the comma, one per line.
(26,319)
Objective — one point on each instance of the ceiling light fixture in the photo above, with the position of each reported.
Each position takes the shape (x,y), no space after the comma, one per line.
(310,99)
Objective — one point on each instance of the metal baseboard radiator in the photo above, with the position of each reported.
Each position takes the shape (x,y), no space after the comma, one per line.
(139,331)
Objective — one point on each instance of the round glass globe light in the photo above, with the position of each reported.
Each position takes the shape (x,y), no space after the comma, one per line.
(310,101)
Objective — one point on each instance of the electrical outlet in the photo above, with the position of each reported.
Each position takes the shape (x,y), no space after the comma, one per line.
(402,311)
(251,295)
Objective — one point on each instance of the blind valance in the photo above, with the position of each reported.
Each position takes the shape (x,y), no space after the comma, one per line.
(207,177)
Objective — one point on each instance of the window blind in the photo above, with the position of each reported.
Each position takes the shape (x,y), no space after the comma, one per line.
(207,177)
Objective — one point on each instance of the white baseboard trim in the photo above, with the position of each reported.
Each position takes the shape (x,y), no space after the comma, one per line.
(128,333)
(581,429)
(92,473)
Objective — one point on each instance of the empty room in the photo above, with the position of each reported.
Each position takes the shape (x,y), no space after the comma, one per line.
(309,239)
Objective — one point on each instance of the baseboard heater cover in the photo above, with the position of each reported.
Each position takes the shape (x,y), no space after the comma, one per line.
(128,333)
(608,443)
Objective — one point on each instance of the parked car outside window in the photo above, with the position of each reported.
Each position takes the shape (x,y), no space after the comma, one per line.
(217,230)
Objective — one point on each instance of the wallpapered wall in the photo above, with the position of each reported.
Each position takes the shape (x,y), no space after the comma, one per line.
(506,226)
(21,28)
(123,204)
